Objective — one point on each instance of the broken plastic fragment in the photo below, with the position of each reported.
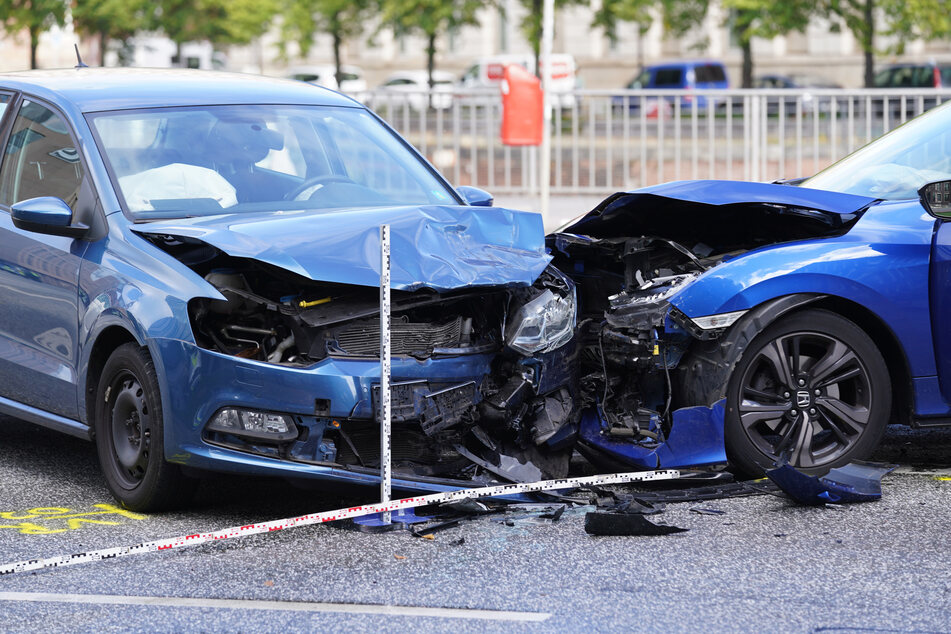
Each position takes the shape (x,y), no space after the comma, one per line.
(625,524)
(855,482)
(554,515)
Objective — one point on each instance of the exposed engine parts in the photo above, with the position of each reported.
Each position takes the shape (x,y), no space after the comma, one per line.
(627,266)
(516,421)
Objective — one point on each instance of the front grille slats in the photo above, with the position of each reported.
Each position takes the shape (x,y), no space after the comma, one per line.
(363,338)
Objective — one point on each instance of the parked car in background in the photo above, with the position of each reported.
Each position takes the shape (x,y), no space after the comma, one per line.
(410,88)
(924,75)
(801,84)
(488,72)
(692,75)
(351,80)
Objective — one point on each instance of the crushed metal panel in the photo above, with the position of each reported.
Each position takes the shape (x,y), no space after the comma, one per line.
(695,438)
(855,482)
(437,247)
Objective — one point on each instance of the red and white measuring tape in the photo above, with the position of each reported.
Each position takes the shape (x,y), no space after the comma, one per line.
(339,514)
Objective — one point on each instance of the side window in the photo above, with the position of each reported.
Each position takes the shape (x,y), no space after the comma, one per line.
(40,158)
(668,78)
(4,102)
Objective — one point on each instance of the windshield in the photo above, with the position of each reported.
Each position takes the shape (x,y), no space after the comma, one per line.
(180,162)
(898,164)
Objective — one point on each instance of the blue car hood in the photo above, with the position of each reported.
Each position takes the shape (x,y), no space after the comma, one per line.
(718,193)
(438,247)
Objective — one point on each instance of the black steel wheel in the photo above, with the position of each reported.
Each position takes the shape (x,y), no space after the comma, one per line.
(812,388)
(129,434)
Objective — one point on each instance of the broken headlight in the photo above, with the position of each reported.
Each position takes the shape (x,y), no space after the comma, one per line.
(253,424)
(543,324)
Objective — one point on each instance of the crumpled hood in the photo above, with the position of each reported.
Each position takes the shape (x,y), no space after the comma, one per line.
(439,247)
(715,193)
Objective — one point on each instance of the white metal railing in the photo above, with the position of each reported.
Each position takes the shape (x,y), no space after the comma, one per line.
(610,140)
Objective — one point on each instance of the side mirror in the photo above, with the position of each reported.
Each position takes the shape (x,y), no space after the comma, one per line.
(475,196)
(936,198)
(48,215)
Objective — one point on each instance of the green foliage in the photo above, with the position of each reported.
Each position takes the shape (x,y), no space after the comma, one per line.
(429,18)
(221,22)
(115,18)
(905,19)
(108,20)
(767,18)
(34,16)
(679,16)
(304,19)
(613,12)
(531,24)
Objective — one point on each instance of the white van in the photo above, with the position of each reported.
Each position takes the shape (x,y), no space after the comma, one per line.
(487,72)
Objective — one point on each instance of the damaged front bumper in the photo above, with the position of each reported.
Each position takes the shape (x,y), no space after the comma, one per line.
(333,408)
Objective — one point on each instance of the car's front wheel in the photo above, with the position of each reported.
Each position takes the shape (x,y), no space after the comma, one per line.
(812,388)
(130,434)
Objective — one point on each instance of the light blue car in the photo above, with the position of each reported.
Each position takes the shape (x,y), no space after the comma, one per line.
(190,276)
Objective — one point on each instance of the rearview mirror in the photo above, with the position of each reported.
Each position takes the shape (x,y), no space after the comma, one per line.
(49,215)
(936,198)
(475,196)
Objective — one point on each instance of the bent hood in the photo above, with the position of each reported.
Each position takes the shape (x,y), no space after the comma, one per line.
(714,193)
(437,247)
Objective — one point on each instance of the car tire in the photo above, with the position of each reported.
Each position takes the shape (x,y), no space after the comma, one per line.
(812,389)
(129,430)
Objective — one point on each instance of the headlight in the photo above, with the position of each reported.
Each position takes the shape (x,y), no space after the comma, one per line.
(723,320)
(543,324)
(253,424)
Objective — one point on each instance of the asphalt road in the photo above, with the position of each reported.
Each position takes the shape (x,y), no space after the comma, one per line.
(764,564)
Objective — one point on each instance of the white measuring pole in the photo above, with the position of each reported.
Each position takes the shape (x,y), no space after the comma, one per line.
(548,28)
(386,475)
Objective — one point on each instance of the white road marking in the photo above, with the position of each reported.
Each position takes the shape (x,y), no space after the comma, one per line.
(288,606)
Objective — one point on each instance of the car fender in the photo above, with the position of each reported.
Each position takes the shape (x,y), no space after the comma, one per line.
(885,273)
(128,283)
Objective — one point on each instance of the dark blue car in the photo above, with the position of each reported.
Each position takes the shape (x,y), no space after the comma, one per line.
(190,271)
(796,321)
(693,75)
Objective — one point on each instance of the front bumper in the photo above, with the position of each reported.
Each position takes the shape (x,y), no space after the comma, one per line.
(197,382)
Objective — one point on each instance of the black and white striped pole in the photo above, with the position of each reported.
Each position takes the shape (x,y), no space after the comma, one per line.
(386,474)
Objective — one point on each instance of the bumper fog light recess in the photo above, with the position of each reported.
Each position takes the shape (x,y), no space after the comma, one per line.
(248,423)
(715,322)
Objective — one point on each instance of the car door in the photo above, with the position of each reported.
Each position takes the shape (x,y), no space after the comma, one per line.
(39,274)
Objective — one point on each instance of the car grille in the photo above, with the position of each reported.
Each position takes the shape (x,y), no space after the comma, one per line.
(363,339)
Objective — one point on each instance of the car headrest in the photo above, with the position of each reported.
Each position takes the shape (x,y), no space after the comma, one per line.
(243,140)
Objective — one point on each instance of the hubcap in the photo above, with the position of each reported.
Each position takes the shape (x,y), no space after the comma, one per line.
(806,396)
(131,429)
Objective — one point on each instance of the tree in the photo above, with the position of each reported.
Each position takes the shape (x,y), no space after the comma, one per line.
(108,20)
(679,16)
(429,18)
(532,23)
(767,19)
(221,22)
(34,16)
(905,19)
(342,19)
(859,17)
